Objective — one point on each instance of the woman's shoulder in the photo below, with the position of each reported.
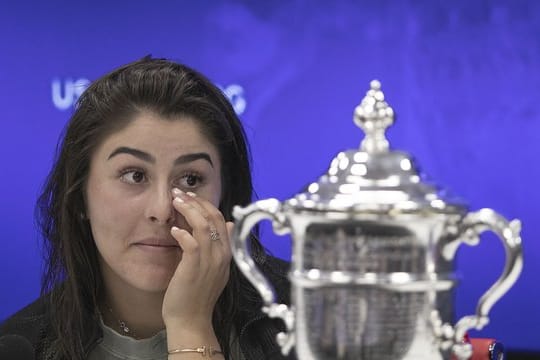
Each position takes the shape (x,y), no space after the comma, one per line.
(258,331)
(275,265)
(27,322)
(276,270)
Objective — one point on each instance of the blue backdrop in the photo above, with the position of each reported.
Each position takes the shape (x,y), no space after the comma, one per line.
(463,77)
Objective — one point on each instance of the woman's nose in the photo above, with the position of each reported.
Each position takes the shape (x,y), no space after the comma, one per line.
(160,209)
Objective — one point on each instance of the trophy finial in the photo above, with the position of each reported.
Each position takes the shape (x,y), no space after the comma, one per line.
(373,116)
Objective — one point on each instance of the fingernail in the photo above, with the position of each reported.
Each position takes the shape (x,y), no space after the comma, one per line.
(177,192)
(176,230)
(192,194)
(178,200)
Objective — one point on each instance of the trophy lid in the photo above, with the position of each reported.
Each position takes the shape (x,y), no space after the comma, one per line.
(374,178)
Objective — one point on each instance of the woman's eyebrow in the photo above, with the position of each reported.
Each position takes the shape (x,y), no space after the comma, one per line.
(137,153)
(192,157)
(182,159)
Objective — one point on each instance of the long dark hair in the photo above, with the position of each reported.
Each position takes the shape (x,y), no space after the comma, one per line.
(72,279)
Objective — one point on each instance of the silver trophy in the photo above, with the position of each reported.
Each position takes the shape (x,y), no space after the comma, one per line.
(372,261)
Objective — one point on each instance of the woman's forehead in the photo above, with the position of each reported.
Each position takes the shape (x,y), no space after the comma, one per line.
(161,136)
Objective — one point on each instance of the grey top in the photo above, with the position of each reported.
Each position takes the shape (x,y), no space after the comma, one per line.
(115,346)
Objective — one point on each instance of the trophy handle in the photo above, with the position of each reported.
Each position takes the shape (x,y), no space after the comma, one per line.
(246,218)
(473,224)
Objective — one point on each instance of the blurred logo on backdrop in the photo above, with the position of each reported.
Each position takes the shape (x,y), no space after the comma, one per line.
(65,93)
(235,94)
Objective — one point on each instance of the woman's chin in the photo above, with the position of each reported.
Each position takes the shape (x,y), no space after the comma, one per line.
(153,285)
(152,280)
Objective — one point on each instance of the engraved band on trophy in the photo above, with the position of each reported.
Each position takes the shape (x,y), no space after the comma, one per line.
(372,267)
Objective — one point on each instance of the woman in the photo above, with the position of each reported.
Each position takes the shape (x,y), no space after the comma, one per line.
(136,219)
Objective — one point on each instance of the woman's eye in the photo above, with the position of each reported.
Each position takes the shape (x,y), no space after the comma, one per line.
(191,180)
(134,177)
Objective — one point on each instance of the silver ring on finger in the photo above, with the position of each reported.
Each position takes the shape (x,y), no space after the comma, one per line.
(214,235)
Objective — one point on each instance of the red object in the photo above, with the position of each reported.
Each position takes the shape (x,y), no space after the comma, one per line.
(484,349)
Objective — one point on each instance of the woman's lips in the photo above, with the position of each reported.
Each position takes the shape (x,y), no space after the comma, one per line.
(157,248)
(157,245)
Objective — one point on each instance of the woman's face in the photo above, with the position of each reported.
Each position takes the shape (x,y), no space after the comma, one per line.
(129,199)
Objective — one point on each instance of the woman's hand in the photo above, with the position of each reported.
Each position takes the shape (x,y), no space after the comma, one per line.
(203,270)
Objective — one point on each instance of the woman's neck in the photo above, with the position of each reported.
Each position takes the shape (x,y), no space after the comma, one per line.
(139,311)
